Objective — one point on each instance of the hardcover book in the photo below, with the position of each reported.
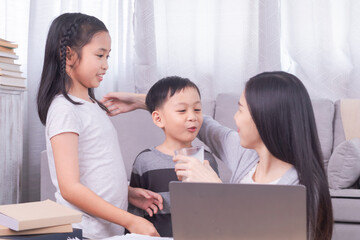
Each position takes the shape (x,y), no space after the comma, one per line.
(10,73)
(4,231)
(10,66)
(74,235)
(7,60)
(7,44)
(12,81)
(31,215)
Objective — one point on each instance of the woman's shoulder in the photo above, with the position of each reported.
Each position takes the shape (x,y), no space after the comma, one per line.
(290,177)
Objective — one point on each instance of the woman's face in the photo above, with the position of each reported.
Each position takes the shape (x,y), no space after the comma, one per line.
(249,135)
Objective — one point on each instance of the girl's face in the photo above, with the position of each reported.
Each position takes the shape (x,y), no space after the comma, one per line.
(249,135)
(88,71)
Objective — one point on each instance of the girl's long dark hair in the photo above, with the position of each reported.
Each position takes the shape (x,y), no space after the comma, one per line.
(72,30)
(282,111)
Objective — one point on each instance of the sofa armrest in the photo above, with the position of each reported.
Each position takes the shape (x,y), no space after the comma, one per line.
(346,205)
(345,193)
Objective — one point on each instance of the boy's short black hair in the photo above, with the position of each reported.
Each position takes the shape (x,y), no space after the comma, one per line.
(164,88)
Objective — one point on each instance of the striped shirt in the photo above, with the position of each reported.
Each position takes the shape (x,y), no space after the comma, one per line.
(154,170)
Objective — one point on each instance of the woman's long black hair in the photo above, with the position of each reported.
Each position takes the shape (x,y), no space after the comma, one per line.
(72,30)
(282,111)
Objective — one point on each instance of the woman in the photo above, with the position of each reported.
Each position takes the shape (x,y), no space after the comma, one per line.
(276,143)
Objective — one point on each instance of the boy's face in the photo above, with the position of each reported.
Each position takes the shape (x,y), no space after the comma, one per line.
(181,116)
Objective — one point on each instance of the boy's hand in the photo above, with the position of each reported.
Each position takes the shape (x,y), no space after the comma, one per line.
(122,102)
(146,200)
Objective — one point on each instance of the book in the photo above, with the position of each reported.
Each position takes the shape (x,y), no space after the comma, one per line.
(31,215)
(6,60)
(10,66)
(10,73)
(9,55)
(76,234)
(4,231)
(6,49)
(7,44)
(12,81)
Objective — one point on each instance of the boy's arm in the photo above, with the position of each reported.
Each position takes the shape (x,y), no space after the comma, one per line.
(65,150)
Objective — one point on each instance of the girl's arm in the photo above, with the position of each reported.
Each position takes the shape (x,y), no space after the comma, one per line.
(145,199)
(65,150)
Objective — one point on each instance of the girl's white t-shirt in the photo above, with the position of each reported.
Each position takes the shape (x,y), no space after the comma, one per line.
(101,166)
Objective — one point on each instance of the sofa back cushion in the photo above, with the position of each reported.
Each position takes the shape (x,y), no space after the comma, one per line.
(226,106)
(344,164)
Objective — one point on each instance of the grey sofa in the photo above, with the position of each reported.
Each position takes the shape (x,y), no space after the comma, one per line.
(137,132)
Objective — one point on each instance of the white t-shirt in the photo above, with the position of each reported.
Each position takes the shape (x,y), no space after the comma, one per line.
(249,177)
(101,166)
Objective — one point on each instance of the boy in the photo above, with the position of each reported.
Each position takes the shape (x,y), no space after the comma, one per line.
(175,107)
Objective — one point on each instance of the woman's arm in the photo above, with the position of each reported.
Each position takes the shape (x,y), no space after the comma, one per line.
(122,102)
(65,150)
(222,141)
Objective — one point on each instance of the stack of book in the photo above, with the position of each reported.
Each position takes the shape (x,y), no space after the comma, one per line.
(10,74)
(39,220)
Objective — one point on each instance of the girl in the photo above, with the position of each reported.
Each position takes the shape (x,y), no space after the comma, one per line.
(275,118)
(84,157)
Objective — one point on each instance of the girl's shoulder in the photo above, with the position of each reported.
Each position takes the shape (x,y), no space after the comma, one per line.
(61,105)
(61,101)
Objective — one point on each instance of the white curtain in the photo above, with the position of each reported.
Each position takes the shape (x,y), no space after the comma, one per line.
(217,44)
(321,45)
(220,44)
(214,43)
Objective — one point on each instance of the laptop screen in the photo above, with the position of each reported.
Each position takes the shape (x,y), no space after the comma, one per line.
(237,211)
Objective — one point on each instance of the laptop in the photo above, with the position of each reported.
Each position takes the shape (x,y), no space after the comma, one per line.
(212,211)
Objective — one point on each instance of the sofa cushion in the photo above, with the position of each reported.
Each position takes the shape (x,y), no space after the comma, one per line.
(324,113)
(339,133)
(344,164)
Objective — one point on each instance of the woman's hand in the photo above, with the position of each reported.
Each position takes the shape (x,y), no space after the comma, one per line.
(122,102)
(145,199)
(142,226)
(192,170)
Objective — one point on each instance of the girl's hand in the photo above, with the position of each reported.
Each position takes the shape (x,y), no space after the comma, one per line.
(122,102)
(146,200)
(142,226)
(193,170)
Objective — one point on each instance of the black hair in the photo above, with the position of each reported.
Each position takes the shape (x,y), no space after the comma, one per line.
(164,88)
(282,111)
(72,30)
